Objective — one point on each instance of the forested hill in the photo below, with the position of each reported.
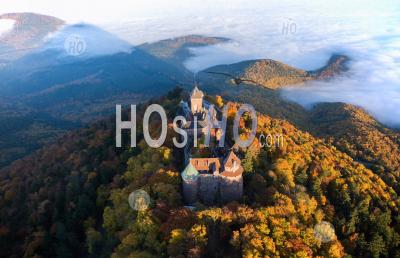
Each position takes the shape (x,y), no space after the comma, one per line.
(273,74)
(70,199)
(357,133)
(176,51)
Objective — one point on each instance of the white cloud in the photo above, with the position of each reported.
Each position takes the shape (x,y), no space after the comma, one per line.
(6,25)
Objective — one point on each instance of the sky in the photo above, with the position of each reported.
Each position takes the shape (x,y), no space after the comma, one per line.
(300,33)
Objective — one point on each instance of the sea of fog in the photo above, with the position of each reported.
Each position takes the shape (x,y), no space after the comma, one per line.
(303,34)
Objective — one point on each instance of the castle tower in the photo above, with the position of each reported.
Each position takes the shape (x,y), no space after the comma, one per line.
(231,180)
(190,183)
(196,100)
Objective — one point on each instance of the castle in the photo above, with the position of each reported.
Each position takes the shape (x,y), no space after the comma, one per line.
(210,180)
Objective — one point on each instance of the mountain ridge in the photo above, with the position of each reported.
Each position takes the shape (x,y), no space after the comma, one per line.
(274,74)
(177,50)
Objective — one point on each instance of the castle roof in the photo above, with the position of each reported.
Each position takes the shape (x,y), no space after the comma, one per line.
(231,160)
(232,166)
(190,172)
(234,173)
(206,164)
(196,93)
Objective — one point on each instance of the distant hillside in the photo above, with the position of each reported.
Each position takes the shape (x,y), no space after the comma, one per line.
(268,73)
(336,65)
(72,94)
(177,50)
(274,74)
(29,31)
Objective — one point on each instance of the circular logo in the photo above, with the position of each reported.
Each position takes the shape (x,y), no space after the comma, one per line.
(324,232)
(139,200)
(75,45)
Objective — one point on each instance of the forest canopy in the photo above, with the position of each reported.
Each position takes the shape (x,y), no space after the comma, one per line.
(71,199)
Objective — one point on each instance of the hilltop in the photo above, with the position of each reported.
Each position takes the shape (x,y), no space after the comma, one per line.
(177,50)
(273,74)
(71,198)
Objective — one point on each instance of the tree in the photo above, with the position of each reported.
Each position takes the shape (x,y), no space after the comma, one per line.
(219,101)
(177,243)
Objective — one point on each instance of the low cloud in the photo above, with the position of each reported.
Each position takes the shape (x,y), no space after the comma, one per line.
(373,81)
(302,34)
(6,25)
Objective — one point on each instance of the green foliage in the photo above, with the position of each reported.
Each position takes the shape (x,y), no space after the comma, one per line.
(72,200)
(248,162)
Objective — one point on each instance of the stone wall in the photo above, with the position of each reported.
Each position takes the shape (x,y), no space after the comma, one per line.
(211,189)
(190,191)
(208,189)
(231,188)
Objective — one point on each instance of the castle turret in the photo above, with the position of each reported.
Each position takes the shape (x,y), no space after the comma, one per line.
(196,100)
(231,180)
(190,183)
